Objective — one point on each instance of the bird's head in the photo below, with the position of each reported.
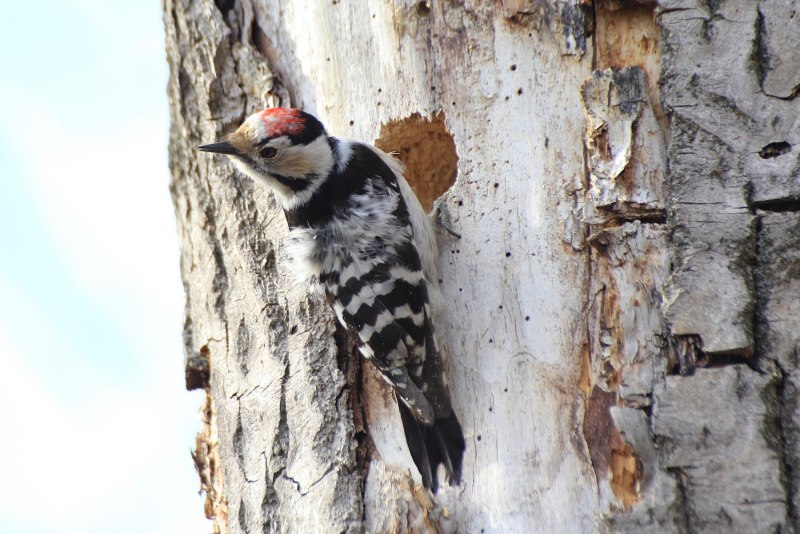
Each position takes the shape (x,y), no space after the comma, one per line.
(285,149)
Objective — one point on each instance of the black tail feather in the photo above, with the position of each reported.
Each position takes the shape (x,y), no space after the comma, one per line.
(442,443)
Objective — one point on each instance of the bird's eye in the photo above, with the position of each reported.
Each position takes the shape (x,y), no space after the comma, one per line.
(268,152)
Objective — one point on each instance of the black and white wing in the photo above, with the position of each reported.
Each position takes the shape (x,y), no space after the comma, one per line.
(379,291)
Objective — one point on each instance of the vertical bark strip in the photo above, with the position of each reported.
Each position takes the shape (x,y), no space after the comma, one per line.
(716,446)
(283,415)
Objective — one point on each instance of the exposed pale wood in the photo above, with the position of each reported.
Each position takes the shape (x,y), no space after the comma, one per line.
(627,330)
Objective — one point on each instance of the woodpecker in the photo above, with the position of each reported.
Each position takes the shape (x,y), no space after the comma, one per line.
(356,227)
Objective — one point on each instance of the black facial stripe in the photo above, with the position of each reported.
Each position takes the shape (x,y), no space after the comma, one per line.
(295,184)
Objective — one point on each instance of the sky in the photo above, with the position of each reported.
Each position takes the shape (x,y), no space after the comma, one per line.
(95,423)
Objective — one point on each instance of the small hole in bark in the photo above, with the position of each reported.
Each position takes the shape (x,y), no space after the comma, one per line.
(519,91)
(773,150)
(198,369)
(513,67)
(423,9)
(427,149)
(508,254)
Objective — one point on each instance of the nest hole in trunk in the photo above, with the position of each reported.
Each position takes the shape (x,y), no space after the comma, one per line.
(427,149)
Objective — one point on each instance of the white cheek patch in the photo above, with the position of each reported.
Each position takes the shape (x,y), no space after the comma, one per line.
(297,161)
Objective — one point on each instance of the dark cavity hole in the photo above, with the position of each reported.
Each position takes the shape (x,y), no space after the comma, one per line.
(423,9)
(773,150)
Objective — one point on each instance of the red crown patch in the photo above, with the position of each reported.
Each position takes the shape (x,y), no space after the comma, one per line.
(282,121)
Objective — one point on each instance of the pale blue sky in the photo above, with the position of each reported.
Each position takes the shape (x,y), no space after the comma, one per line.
(96,425)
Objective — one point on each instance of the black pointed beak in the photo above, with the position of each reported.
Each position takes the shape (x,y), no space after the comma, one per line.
(223,147)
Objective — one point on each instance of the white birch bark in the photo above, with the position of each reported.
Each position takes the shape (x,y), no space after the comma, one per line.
(614,240)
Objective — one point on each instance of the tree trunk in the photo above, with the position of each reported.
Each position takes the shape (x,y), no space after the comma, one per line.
(623,304)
